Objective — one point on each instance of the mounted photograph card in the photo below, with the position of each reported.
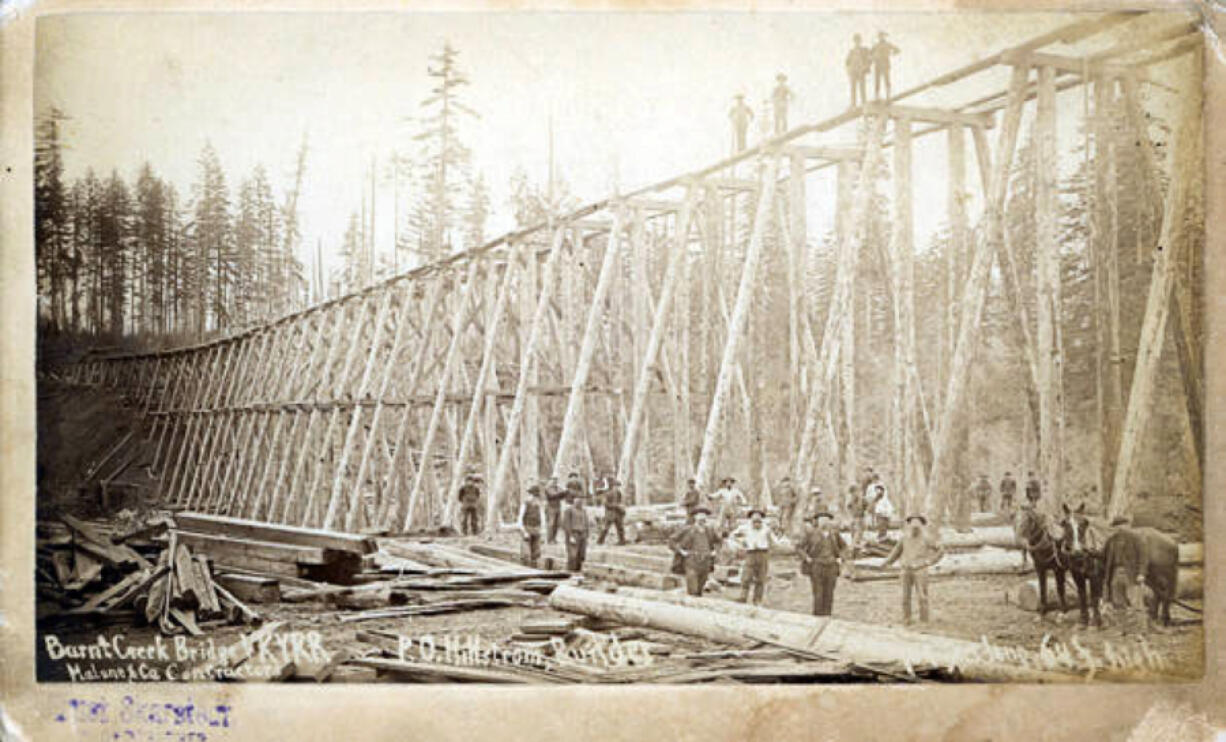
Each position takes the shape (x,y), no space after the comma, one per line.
(836,352)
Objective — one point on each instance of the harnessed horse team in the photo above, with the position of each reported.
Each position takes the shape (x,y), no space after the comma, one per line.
(1136,566)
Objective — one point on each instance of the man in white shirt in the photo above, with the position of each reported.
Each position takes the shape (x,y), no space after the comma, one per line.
(883,509)
(756,539)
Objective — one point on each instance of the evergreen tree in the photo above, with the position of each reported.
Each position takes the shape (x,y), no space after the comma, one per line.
(51,221)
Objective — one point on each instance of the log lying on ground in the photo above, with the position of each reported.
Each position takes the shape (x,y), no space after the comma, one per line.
(623,558)
(984,561)
(273,532)
(847,640)
(1190,585)
(718,605)
(626,576)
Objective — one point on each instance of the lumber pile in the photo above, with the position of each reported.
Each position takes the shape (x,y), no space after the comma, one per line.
(95,576)
(274,549)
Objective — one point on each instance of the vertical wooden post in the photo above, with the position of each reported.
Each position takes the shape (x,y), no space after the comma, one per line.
(642,378)
(527,363)
(740,316)
(826,370)
(901,271)
(847,328)
(459,323)
(587,348)
(1047,239)
(974,297)
(1171,242)
(797,234)
(489,350)
(529,434)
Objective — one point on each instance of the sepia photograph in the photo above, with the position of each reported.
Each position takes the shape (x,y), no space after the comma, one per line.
(618,348)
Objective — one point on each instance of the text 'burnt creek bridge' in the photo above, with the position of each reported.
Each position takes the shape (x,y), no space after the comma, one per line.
(636,334)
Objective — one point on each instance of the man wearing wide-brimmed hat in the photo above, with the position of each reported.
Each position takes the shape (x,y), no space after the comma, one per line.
(756,539)
(915,552)
(531,519)
(821,553)
(614,510)
(696,545)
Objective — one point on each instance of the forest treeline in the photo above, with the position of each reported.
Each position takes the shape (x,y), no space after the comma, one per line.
(138,257)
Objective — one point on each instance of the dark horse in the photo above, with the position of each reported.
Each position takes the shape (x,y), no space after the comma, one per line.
(1032,530)
(1085,561)
(1133,557)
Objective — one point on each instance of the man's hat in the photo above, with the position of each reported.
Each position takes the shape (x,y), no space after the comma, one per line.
(534,490)
(758,511)
(740,96)
(881,34)
(690,480)
(702,509)
(821,514)
(731,480)
(815,490)
(786,478)
(574,474)
(781,77)
(1119,520)
(918,517)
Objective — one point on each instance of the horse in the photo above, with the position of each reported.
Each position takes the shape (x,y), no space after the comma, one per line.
(1133,557)
(1031,528)
(1085,561)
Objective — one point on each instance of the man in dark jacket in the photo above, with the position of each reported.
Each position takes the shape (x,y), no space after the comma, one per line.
(470,500)
(614,512)
(554,496)
(531,519)
(696,544)
(691,500)
(574,526)
(821,553)
(1008,491)
(785,498)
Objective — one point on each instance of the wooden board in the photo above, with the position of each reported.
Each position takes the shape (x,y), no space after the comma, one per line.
(251,589)
(223,548)
(276,533)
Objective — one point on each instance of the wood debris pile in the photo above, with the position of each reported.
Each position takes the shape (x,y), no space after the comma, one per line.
(142,574)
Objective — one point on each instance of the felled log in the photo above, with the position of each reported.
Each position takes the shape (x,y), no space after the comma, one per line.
(254,530)
(1190,585)
(547,626)
(984,561)
(718,605)
(635,577)
(454,606)
(851,641)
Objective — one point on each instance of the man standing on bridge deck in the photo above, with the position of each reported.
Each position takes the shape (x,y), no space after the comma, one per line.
(915,552)
(881,53)
(983,493)
(859,61)
(696,544)
(691,500)
(554,495)
(781,96)
(1008,490)
(574,527)
(614,512)
(470,500)
(756,539)
(741,115)
(821,552)
(531,518)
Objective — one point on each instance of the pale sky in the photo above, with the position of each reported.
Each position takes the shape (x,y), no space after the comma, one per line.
(635,98)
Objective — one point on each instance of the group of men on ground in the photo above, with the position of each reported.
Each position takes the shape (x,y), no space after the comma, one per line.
(860,61)
(563,510)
